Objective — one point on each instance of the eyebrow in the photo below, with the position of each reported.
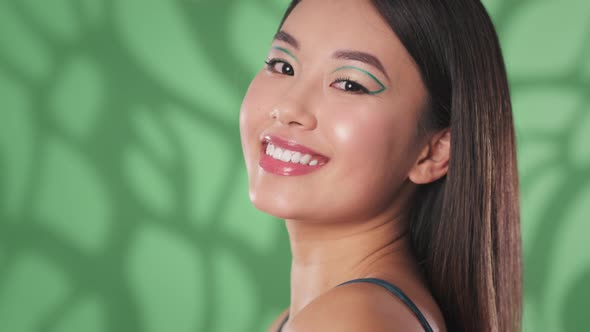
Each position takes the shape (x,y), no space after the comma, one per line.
(362,57)
(340,54)
(287,38)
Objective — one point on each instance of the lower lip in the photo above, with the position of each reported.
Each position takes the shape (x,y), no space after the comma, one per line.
(279,167)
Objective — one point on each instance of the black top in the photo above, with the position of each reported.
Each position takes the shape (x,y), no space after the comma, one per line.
(395,291)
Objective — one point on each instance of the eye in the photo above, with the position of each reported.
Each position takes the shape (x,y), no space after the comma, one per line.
(349,85)
(276,65)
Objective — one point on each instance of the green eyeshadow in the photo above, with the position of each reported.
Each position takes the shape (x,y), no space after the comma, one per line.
(282,49)
(366,73)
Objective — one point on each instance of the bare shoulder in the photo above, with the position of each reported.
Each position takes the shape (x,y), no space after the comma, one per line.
(362,307)
(277,322)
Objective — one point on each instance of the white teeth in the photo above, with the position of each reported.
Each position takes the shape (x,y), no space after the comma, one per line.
(289,156)
(305,159)
(277,153)
(286,156)
(296,157)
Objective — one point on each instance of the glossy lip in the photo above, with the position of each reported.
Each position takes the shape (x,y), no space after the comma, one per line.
(279,167)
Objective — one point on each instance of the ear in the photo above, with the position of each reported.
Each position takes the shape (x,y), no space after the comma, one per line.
(433,161)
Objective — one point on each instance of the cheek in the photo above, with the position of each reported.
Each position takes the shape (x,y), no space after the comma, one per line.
(260,98)
(254,110)
(373,143)
(251,118)
(367,133)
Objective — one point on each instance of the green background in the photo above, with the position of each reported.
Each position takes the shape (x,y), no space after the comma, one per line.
(123,194)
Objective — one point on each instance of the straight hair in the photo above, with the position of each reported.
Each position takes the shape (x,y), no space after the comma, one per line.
(465,227)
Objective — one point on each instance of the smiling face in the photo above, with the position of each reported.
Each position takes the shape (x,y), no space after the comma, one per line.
(338,82)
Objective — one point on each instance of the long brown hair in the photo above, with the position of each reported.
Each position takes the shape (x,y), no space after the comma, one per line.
(465,227)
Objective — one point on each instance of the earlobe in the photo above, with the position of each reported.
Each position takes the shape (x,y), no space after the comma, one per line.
(433,160)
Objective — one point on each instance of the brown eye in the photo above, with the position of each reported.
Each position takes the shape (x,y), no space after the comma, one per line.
(349,85)
(279,66)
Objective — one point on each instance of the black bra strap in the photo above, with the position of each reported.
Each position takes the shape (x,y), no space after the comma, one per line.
(283,323)
(397,292)
(393,289)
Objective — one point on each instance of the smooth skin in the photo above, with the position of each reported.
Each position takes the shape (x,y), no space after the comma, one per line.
(348,219)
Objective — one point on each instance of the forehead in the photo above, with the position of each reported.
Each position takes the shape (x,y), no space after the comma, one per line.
(323,26)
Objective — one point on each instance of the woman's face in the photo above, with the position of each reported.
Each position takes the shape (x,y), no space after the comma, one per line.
(339,87)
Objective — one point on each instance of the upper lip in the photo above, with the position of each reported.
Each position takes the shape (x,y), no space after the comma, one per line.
(289,144)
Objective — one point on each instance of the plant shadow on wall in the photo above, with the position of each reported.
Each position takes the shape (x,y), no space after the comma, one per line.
(123,196)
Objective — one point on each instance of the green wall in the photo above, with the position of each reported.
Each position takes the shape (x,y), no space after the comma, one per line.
(123,194)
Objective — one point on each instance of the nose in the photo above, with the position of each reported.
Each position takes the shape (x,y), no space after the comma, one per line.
(293,114)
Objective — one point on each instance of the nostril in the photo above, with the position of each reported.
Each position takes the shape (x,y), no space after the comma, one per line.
(295,123)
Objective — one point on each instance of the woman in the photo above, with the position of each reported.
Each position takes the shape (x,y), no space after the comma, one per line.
(381,131)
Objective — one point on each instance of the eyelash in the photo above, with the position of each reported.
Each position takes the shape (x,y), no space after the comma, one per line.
(273,61)
(348,79)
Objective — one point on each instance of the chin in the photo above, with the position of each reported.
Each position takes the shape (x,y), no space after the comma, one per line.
(276,205)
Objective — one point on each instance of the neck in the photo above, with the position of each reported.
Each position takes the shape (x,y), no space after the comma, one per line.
(325,255)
